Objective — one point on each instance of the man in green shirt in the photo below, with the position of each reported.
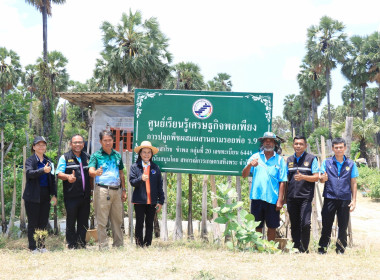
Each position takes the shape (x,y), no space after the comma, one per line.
(106,166)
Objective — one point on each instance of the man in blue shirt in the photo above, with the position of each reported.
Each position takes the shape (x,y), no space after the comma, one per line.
(339,175)
(267,192)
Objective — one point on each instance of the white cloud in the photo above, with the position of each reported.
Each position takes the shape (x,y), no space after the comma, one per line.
(291,68)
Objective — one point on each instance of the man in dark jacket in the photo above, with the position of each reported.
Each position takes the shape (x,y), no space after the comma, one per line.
(339,175)
(303,172)
(73,171)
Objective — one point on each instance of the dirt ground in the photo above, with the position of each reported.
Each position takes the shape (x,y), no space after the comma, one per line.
(366,222)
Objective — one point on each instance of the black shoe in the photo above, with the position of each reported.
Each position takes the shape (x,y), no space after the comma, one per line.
(321,251)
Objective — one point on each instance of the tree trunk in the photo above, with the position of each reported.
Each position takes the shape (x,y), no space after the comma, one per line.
(328,99)
(363,103)
(22,210)
(362,148)
(178,233)
(190,233)
(312,114)
(348,135)
(378,102)
(46,115)
(3,224)
(215,226)
(204,209)
(44,31)
(14,197)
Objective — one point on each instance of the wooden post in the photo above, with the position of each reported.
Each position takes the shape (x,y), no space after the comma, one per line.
(178,233)
(204,209)
(215,226)
(124,159)
(164,226)
(190,234)
(238,190)
(347,135)
(314,224)
(128,160)
(22,210)
(13,210)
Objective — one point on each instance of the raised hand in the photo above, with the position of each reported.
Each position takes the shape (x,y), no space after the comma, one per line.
(72,177)
(47,168)
(323,178)
(298,176)
(99,171)
(254,162)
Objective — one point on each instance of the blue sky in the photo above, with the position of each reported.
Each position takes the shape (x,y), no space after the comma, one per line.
(259,43)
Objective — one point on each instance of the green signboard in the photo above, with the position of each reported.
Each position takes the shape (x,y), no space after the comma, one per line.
(199,131)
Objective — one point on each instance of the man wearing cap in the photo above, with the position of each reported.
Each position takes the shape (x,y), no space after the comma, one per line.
(303,172)
(339,175)
(106,166)
(267,191)
(148,195)
(73,171)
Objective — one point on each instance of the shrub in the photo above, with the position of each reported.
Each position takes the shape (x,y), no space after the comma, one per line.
(242,229)
(369,181)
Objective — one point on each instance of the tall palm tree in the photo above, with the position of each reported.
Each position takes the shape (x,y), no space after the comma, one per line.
(326,47)
(313,84)
(372,51)
(10,73)
(51,78)
(44,6)
(293,111)
(356,67)
(137,51)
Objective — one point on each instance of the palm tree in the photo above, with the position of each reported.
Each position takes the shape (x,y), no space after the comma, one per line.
(356,67)
(221,82)
(293,111)
(137,51)
(364,129)
(372,51)
(51,78)
(313,84)
(44,6)
(371,102)
(10,73)
(326,47)
(188,77)
(351,97)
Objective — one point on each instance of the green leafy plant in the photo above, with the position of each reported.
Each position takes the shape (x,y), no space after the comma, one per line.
(369,181)
(40,237)
(241,228)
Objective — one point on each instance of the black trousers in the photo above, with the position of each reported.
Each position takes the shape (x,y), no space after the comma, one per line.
(300,219)
(329,209)
(77,214)
(38,216)
(144,212)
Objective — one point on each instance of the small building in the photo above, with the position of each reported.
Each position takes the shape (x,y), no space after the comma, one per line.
(110,110)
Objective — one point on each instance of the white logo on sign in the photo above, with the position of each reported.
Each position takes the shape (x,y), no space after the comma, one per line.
(202,109)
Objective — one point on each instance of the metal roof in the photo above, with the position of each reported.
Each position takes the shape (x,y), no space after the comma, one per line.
(89,99)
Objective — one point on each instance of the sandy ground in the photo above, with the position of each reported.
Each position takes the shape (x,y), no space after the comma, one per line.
(366,222)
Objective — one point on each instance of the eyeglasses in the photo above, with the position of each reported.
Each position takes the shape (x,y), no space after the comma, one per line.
(77,143)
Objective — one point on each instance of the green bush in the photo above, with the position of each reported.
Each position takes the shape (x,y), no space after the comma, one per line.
(242,229)
(369,181)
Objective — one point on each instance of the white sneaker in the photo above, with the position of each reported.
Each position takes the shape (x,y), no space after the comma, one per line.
(44,250)
(35,251)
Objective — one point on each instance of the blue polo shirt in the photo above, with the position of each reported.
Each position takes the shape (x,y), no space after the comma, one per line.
(354,171)
(266,177)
